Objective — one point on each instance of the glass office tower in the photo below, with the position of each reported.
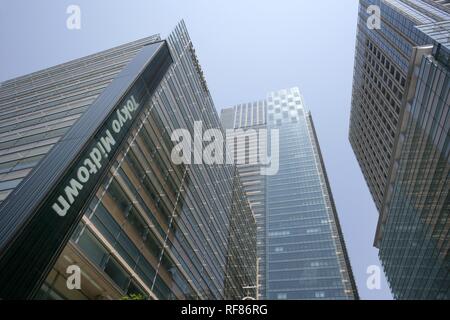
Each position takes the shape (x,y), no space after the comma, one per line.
(252,116)
(87,182)
(300,243)
(399,131)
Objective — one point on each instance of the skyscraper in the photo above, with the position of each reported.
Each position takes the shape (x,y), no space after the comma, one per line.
(300,244)
(252,116)
(87,183)
(399,131)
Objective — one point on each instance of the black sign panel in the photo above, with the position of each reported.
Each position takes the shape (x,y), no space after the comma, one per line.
(40,218)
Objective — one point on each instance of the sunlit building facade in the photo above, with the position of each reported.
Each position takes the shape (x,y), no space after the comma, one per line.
(87,182)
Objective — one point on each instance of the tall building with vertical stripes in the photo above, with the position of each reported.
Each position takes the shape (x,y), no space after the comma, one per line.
(252,116)
(399,131)
(300,245)
(87,185)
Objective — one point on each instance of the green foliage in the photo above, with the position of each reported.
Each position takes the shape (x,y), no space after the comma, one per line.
(134,296)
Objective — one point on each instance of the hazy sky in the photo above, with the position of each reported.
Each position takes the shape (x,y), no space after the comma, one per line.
(246,49)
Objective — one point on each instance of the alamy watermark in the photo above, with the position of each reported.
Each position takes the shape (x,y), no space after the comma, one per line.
(239,146)
(73,21)
(73,281)
(373,281)
(374,20)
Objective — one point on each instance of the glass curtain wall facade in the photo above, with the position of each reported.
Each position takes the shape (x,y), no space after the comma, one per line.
(252,116)
(147,226)
(303,252)
(381,83)
(39,108)
(415,245)
(399,133)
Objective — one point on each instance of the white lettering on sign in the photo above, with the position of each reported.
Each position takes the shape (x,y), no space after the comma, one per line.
(94,161)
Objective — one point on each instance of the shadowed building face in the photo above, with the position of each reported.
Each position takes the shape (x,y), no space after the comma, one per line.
(399,133)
